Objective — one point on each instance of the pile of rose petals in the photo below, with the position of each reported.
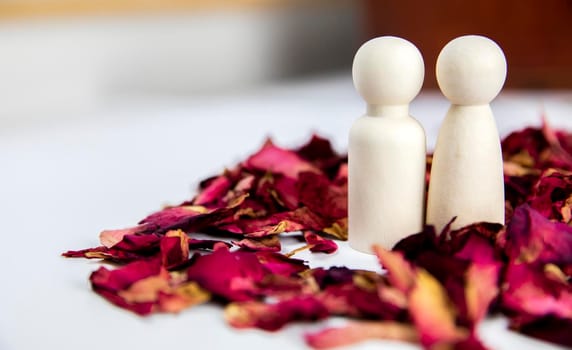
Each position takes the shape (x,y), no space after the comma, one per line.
(437,288)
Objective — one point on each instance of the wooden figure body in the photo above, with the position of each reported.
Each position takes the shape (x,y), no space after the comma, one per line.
(387,146)
(467,170)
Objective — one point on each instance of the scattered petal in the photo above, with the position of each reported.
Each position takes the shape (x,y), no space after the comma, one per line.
(174,249)
(230,275)
(320,244)
(277,160)
(356,332)
(267,243)
(272,317)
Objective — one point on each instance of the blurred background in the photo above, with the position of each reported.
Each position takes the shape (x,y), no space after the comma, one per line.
(61,58)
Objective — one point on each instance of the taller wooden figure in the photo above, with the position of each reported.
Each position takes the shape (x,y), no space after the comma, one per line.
(467,172)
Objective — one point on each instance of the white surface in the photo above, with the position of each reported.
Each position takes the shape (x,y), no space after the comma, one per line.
(387,147)
(62,184)
(467,171)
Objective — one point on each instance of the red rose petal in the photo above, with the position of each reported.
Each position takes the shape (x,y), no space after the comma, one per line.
(551,196)
(323,197)
(174,249)
(182,297)
(109,254)
(268,243)
(532,238)
(172,217)
(432,312)
(230,275)
(356,332)
(139,243)
(529,291)
(206,244)
(297,220)
(214,189)
(276,160)
(400,273)
(125,276)
(285,192)
(109,283)
(481,289)
(279,264)
(549,328)
(318,148)
(109,238)
(320,244)
(272,317)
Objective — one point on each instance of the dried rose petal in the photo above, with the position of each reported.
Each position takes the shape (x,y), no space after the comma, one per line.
(148,243)
(356,332)
(230,275)
(173,217)
(110,283)
(481,289)
(532,238)
(414,245)
(280,287)
(109,238)
(358,300)
(272,317)
(317,148)
(109,254)
(268,243)
(213,190)
(320,244)
(332,276)
(552,196)
(279,264)
(338,229)
(466,262)
(323,197)
(174,249)
(132,247)
(524,147)
(89,253)
(125,276)
(147,289)
(190,217)
(432,312)
(559,156)
(400,273)
(475,243)
(529,291)
(357,293)
(429,305)
(206,244)
(297,220)
(538,148)
(549,328)
(277,160)
(182,297)
(469,343)
(342,174)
